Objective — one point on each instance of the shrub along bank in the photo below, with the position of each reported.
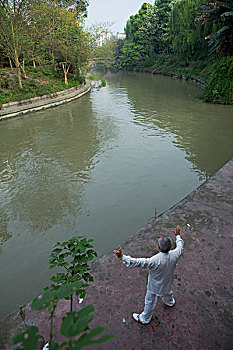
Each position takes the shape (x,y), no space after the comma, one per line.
(39,81)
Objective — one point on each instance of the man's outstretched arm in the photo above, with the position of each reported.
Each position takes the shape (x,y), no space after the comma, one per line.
(133,262)
(179,242)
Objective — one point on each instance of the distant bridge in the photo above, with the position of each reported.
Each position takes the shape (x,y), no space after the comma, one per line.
(97,60)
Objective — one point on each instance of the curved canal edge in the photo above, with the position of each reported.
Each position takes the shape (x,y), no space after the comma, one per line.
(202,316)
(13,109)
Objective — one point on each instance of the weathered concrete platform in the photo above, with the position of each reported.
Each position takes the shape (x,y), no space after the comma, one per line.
(202,318)
(13,109)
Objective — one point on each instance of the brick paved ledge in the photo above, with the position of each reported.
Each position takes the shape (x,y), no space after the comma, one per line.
(202,318)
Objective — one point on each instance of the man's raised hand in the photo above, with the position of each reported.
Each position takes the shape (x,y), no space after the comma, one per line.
(177,232)
(118,253)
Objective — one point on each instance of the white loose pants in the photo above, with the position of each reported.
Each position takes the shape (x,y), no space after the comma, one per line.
(151,300)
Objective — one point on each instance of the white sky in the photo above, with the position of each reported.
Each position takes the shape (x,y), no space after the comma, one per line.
(117,11)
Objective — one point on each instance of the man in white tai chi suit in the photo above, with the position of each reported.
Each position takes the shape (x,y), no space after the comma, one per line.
(161,268)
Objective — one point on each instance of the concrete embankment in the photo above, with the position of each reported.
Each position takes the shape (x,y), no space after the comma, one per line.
(198,81)
(13,109)
(202,317)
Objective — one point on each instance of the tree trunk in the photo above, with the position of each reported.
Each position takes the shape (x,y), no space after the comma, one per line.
(15,52)
(34,64)
(71,303)
(18,70)
(65,70)
(51,325)
(65,73)
(10,62)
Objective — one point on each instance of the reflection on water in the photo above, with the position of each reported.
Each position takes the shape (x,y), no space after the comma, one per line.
(100,165)
(4,234)
(166,106)
(45,169)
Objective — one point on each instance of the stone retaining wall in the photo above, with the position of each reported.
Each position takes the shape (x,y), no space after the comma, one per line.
(13,109)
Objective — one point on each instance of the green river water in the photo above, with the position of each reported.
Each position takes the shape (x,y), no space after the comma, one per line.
(100,166)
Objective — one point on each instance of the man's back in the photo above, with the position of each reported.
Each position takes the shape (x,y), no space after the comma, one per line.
(162,270)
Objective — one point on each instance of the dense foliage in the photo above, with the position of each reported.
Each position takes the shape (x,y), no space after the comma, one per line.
(41,80)
(183,27)
(147,34)
(43,33)
(219,87)
(182,34)
(187,36)
(221,14)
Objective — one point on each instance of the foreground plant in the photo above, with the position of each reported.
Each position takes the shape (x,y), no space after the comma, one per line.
(72,256)
(76,323)
(73,324)
(27,340)
(50,298)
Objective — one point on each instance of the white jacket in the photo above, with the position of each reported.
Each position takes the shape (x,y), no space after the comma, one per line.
(161,268)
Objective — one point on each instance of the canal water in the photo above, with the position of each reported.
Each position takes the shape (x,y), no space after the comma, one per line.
(100,166)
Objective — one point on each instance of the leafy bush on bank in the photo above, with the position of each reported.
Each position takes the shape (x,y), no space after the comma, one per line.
(40,81)
(219,86)
(168,65)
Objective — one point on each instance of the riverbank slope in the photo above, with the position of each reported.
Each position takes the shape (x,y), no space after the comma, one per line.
(214,76)
(202,317)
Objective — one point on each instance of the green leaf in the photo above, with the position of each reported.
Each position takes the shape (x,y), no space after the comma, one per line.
(61,274)
(82,249)
(223,29)
(43,301)
(76,322)
(68,289)
(76,269)
(52,267)
(226,14)
(57,251)
(81,293)
(57,279)
(86,309)
(87,338)
(27,340)
(90,278)
(55,293)
(96,331)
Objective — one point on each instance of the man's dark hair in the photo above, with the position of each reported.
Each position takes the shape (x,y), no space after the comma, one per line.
(165,244)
